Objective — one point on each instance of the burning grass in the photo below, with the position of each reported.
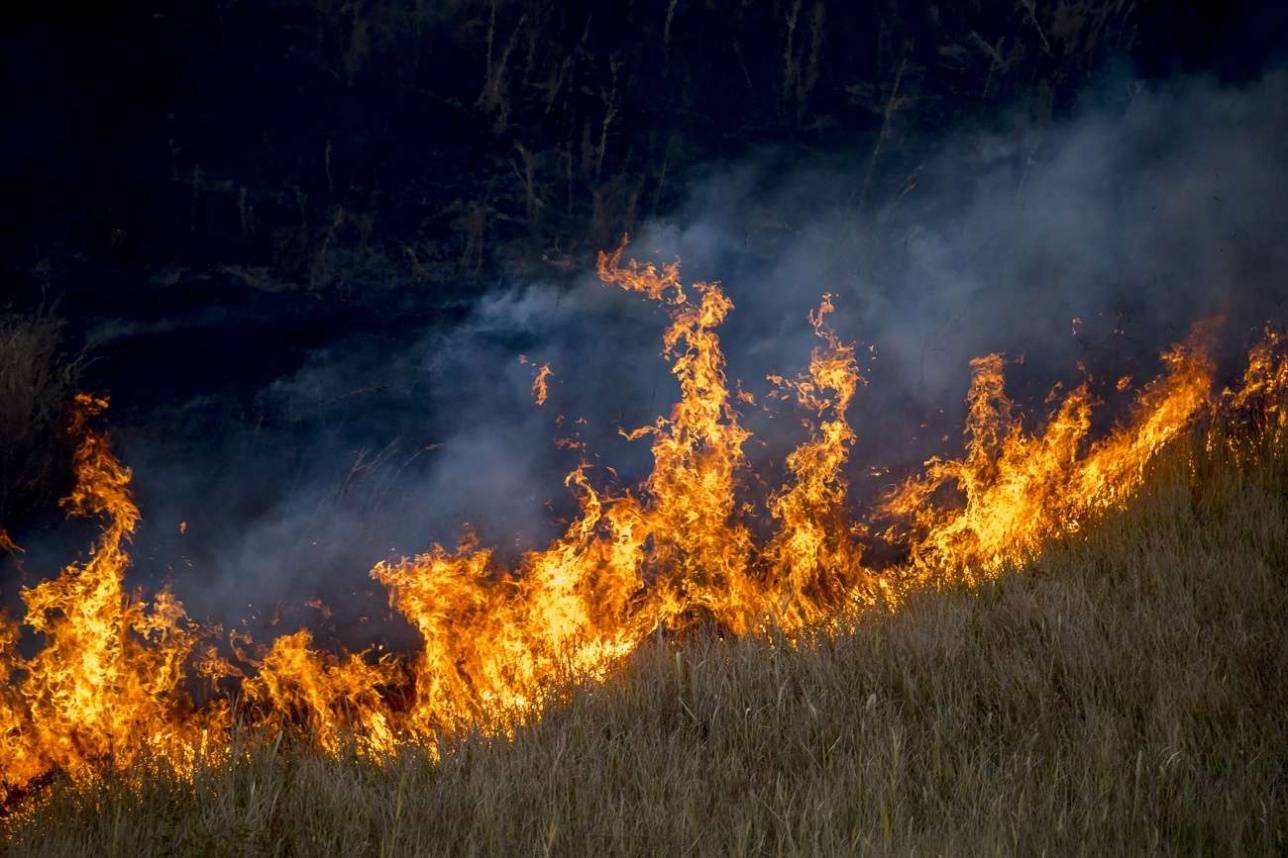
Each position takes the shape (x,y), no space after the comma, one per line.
(1123,694)
(578,637)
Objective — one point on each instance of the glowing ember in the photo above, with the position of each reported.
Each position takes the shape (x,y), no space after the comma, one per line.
(107,684)
(540,381)
(540,384)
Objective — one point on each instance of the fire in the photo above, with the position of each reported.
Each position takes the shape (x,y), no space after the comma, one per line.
(109,684)
(299,686)
(1258,412)
(541,384)
(540,381)
(1019,489)
(814,556)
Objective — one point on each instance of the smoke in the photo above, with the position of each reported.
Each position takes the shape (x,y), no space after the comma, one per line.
(1083,247)
(1137,217)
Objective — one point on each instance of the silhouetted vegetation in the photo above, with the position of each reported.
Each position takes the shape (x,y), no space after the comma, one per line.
(37,378)
(376,145)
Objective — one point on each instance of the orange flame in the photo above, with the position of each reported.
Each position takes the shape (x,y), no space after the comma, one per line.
(540,384)
(540,380)
(1020,490)
(108,683)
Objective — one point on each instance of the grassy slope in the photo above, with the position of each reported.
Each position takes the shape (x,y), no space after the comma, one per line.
(1126,694)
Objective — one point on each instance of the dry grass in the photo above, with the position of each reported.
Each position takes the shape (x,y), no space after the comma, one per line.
(36,380)
(1124,695)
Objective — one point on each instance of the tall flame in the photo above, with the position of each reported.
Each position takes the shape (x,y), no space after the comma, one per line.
(814,557)
(108,684)
(1019,489)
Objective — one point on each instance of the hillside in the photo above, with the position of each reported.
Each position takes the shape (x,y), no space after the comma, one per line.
(1122,694)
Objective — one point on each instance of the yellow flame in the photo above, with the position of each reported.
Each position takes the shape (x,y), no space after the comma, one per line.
(1018,490)
(541,384)
(108,682)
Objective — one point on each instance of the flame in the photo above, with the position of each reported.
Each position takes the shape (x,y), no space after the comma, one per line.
(108,685)
(1019,489)
(333,698)
(540,384)
(1257,412)
(540,380)
(814,556)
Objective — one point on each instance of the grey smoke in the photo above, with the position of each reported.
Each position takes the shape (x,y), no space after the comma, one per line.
(1150,208)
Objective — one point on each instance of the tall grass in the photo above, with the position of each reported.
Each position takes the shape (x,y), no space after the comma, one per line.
(1124,694)
(37,378)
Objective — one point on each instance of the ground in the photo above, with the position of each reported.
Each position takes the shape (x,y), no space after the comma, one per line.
(1122,694)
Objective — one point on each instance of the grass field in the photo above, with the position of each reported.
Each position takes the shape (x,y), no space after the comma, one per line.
(1125,694)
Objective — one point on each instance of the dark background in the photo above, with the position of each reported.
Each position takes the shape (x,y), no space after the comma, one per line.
(387,157)
(282,232)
